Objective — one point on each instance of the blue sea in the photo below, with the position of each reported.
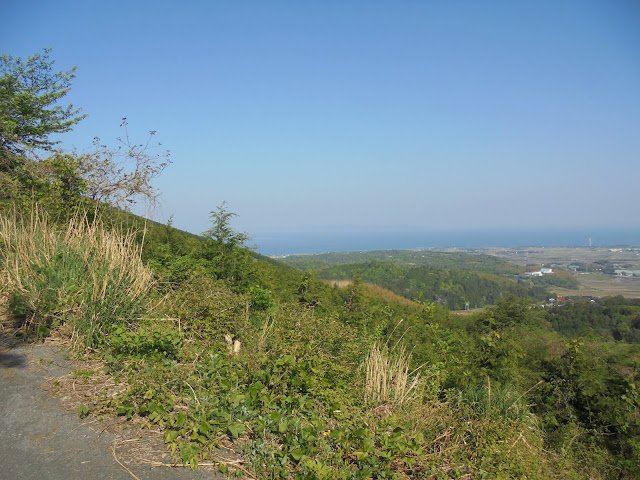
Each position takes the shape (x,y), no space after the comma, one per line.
(350,240)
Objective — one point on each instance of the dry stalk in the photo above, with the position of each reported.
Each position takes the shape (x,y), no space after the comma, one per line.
(113,450)
(388,379)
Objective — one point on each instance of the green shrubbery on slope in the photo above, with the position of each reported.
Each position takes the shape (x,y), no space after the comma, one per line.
(219,347)
(498,394)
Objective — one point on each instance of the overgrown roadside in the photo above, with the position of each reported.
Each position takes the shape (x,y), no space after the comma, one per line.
(44,438)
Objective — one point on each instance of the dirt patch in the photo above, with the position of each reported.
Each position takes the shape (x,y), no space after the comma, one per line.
(340,283)
(468,312)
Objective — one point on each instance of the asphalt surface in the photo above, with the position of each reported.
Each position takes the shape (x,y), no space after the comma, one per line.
(40,439)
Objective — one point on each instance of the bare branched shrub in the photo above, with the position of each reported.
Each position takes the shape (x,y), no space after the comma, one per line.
(388,379)
(123,175)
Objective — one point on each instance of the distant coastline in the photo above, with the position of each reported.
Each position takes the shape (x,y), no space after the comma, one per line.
(289,243)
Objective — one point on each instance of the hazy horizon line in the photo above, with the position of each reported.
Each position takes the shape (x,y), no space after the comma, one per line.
(287,243)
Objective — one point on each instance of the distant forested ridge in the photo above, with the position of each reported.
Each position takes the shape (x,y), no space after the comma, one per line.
(451,279)
(450,288)
(408,258)
(613,318)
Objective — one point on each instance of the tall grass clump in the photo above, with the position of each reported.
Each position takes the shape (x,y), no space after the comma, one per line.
(81,274)
(498,402)
(388,379)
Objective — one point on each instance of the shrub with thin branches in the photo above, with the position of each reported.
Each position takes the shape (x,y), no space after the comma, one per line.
(84,274)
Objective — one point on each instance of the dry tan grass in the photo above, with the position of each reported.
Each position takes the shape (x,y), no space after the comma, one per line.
(388,295)
(376,291)
(340,283)
(96,269)
(35,240)
(388,380)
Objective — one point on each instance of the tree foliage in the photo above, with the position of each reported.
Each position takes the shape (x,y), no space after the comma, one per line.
(449,287)
(29,113)
(224,248)
(221,231)
(30,91)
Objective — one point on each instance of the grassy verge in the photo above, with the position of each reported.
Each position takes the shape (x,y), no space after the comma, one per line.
(84,275)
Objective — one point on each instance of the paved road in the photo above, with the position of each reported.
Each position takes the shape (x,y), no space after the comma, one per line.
(40,440)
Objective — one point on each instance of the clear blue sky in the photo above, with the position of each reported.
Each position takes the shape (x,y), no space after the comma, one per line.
(385,114)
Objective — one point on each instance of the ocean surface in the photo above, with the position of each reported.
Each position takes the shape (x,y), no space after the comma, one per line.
(345,240)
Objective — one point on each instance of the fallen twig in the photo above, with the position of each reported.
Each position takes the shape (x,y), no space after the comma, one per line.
(113,451)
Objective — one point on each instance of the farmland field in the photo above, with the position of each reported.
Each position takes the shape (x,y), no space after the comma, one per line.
(587,265)
(603,286)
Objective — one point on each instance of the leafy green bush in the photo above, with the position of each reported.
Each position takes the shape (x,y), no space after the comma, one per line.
(151,340)
(261,298)
(207,309)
